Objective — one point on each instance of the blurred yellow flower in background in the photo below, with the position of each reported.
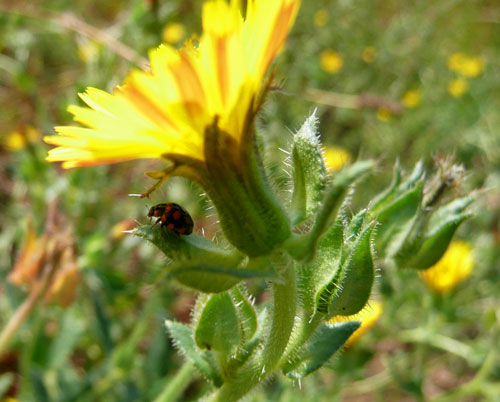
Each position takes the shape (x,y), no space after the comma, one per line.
(411,99)
(384,114)
(369,54)
(456,265)
(466,66)
(335,158)
(173,33)
(472,67)
(20,138)
(321,17)
(368,317)
(331,61)
(456,60)
(458,87)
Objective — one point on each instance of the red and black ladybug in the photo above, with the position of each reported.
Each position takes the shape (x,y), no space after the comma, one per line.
(173,217)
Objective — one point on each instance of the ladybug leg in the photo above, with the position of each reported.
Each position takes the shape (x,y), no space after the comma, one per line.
(154,224)
(161,176)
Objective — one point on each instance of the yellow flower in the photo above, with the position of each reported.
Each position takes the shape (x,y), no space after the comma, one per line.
(19,139)
(164,113)
(332,62)
(458,87)
(335,158)
(369,54)
(384,114)
(411,99)
(472,67)
(455,265)
(321,17)
(456,60)
(464,65)
(173,33)
(368,317)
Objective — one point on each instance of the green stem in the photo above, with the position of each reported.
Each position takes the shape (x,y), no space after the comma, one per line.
(177,385)
(303,333)
(283,317)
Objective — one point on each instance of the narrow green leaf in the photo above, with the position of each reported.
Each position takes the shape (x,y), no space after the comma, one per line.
(354,282)
(218,326)
(317,274)
(437,242)
(395,215)
(247,314)
(325,342)
(387,195)
(183,339)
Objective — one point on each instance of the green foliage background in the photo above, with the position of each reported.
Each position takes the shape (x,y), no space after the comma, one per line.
(111,344)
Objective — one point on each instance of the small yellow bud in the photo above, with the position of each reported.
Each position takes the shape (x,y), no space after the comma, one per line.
(455,265)
(369,54)
(173,33)
(411,99)
(331,62)
(335,158)
(458,87)
(321,17)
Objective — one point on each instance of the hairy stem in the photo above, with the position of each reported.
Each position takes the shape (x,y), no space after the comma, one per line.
(255,371)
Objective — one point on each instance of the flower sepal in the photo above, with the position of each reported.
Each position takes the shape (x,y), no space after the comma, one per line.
(250,214)
(327,340)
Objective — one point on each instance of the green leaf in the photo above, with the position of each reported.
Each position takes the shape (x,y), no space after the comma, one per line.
(325,342)
(182,336)
(398,188)
(381,199)
(355,225)
(309,173)
(246,313)
(218,326)
(185,248)
(436,242)
(317,274)
(396,215)
(354,281)
(211,278)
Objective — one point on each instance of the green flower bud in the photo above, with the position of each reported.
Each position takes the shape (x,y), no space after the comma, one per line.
(309,173)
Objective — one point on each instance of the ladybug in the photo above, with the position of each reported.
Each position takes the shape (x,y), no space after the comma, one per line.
(173,217)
